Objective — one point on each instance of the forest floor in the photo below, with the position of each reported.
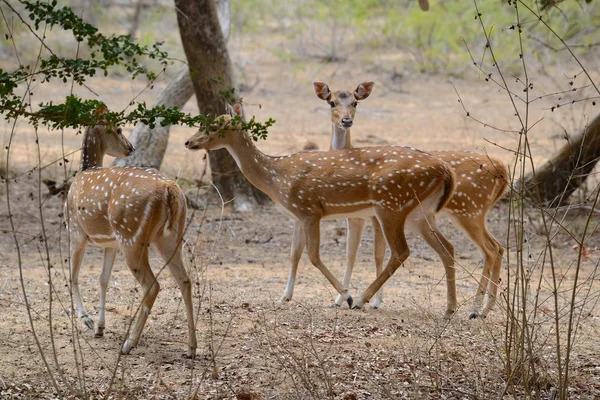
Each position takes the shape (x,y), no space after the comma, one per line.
(252,347)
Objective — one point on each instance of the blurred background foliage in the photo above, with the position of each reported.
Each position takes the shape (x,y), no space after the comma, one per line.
(433,42)
(367,31)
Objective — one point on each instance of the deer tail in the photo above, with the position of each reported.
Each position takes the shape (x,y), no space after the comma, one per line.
(449,185)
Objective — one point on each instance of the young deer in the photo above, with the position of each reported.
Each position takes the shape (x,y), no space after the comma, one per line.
(481,182)
(397,185)
(129,209)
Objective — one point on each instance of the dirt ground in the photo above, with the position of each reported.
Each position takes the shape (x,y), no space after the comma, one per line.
(250,346)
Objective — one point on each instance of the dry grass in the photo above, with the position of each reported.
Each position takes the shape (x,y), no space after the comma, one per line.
(250,345)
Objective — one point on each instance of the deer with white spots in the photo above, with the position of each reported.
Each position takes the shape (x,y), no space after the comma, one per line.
(128,209)
(397,185)
(480,183)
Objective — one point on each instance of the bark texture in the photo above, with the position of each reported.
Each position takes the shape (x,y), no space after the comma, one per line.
(212,74)
(560,176)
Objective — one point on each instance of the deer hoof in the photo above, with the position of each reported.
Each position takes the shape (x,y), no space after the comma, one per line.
(191,353)
(449,314)
(87,321)
(358,305)
(474,315)
(127,346)
(99,332)
(349,300)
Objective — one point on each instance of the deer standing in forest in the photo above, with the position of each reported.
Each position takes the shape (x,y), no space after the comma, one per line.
(397,185)
(129,209)
(480,183)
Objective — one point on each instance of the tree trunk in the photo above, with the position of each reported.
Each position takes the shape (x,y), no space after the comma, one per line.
(151,144)
(135,18)
(212,75)
(558,178)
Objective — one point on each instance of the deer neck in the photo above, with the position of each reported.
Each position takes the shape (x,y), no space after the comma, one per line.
(256,166)
(92,153)
(340,138)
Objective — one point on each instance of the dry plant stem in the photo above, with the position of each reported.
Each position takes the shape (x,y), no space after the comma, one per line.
(285,365)
(526,327)
(326,376)
(211,346)
(201,290)
(47,261)
(539,17)
(525,345)
(78,353)
(20,266)
(48,264)
(16,240)
(77,347)
(520,258)
(214,374)
(295,366)
(570,330)
(564,373)
(212,350)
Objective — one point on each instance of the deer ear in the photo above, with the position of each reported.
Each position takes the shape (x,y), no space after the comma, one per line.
(237,109)
(363,90)
(322,90)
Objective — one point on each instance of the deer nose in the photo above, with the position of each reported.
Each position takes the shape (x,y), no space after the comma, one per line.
(347,122)
(187,143)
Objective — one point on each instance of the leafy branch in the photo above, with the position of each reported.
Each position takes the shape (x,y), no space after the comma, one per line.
(106,52)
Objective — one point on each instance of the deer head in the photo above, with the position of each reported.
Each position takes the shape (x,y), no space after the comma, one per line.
(343,103)
(220,135)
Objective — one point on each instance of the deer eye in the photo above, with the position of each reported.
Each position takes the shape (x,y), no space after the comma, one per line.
(355,104)
(119,131)
(332,104)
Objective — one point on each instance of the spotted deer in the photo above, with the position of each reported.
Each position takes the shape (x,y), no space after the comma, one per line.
(397,185)
(128,209)
(480,183)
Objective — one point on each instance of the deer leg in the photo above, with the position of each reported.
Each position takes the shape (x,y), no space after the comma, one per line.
(109,260)
(137,261)
(495,281)
(491,249)
(355,231)
(379,255)
(170,251)
(393,232)
(426,227)
(298,245)
(312,236)
(77,253)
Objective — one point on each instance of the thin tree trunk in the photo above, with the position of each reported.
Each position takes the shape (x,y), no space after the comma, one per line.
(151,144)
(560,176)
(212,75)
(135,19)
